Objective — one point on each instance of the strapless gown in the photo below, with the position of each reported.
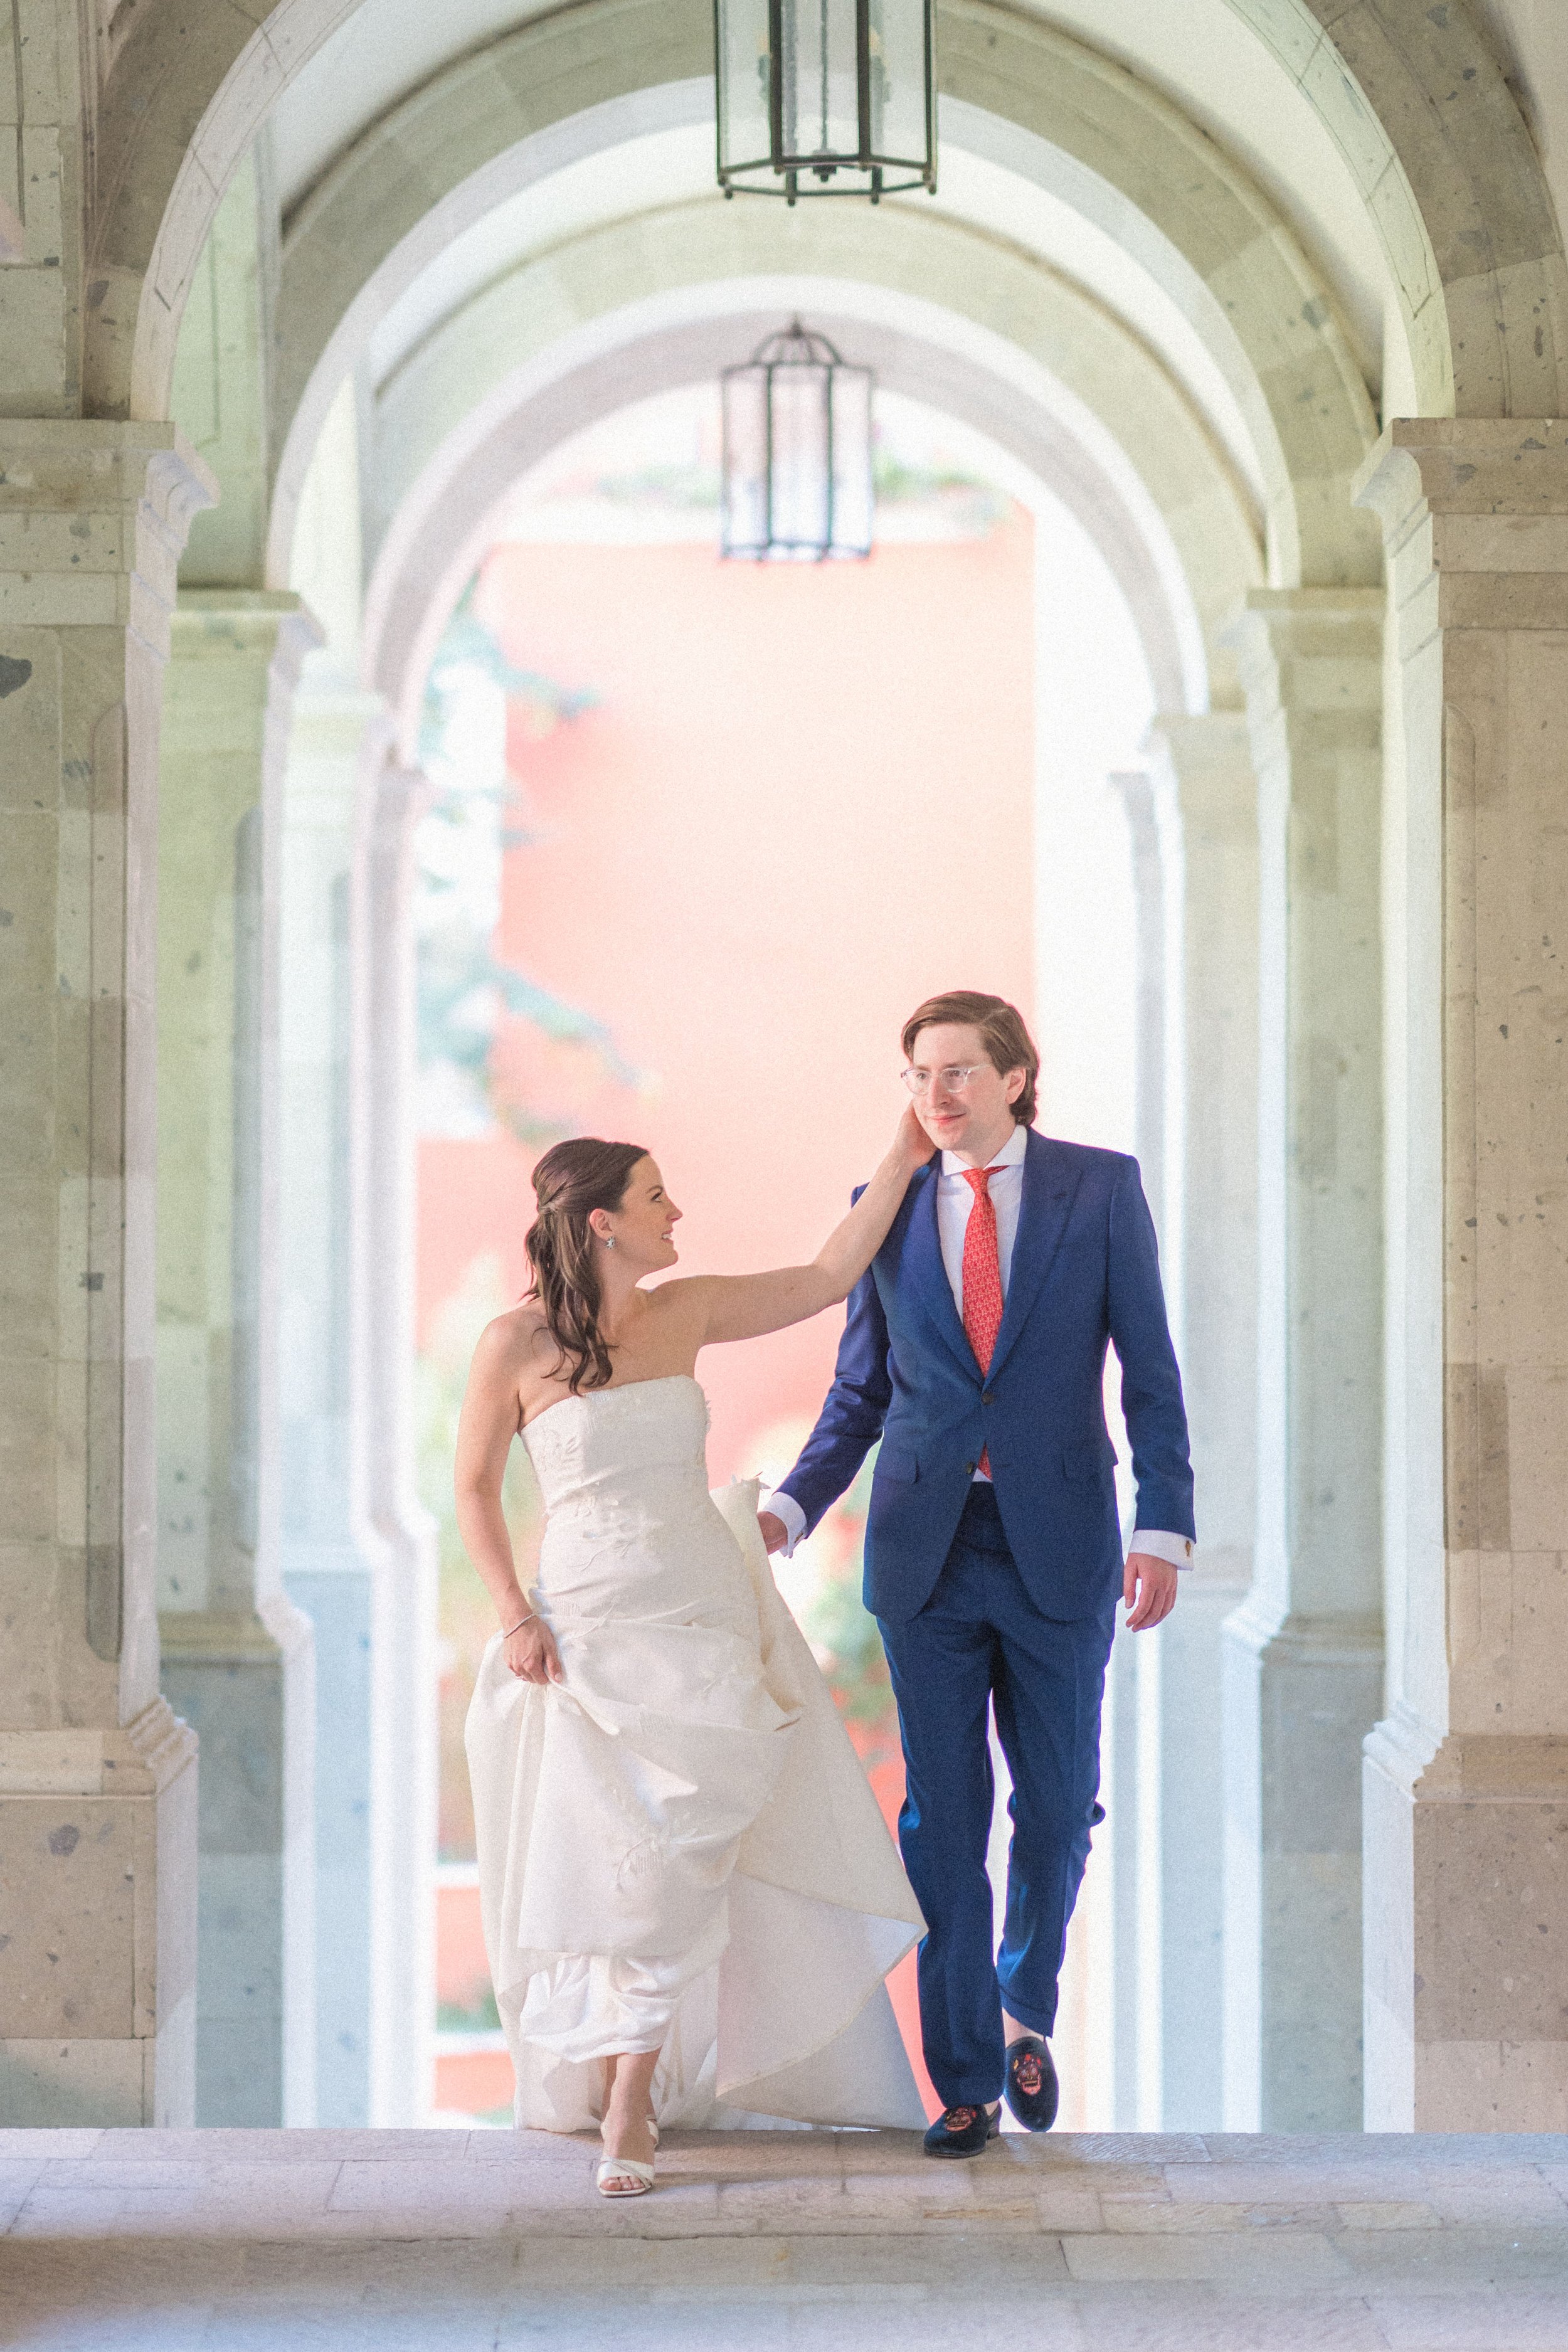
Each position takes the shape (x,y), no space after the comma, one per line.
(677,1847)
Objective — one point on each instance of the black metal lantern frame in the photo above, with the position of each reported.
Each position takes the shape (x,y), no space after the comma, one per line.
(797,454)
(826,97)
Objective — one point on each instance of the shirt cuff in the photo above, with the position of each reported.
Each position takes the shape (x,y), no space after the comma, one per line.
(784,1506)
(1156,1541)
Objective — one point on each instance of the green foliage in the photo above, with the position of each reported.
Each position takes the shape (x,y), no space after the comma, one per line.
(463,988)
(480,2016)
(459,980)
(465,641)
(693,488)
(976,505)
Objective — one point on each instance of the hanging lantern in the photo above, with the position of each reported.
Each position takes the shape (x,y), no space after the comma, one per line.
(826,97)
(798,453)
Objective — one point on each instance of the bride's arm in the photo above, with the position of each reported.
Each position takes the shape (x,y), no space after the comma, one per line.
(488,1424)
(743,1306)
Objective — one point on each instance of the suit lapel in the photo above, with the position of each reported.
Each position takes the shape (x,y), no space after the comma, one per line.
(927,1272)
(1043,1212)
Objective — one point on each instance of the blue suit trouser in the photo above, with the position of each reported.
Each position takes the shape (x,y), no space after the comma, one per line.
(980,1644)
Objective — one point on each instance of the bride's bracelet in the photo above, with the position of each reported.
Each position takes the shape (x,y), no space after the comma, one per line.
(519,1624)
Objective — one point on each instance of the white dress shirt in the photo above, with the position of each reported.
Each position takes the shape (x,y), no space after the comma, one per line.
(954,1202)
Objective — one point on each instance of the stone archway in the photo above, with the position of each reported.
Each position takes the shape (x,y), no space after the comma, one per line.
(456,423)
(1088,129)
(1117,440)
(1415,101)
(154,110)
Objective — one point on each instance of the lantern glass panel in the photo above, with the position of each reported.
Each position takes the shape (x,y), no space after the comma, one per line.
(852,492)
(899,123)
(745,100)
(801,479)
(745,411)
(819,80)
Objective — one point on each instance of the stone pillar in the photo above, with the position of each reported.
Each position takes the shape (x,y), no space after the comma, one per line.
(394,1531)
(1467,1776)
(98,1783)
(238,1660)
(1201,775)
(325,1571)
(1131,1840)
(1303,1669)
(1192,822)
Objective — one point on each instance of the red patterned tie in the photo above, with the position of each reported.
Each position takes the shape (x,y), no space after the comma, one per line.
(982,1277)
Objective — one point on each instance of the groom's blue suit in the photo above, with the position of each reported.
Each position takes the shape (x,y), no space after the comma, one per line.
(1004,1595)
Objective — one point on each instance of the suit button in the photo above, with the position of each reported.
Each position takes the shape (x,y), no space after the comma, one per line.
(987,1398)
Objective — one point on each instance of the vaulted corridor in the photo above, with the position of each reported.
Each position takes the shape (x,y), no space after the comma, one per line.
(1253,314)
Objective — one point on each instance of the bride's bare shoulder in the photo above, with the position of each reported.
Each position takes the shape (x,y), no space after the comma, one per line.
(514,1343)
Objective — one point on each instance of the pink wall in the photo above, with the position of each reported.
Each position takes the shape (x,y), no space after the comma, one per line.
(802,802)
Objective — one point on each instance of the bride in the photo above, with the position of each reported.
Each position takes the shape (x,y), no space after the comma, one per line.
(689,1898)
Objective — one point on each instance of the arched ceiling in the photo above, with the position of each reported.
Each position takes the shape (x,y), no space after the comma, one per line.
(1202,55)
(658,169)
(1403,98)
(443,526)
(1210,271)
(955,317)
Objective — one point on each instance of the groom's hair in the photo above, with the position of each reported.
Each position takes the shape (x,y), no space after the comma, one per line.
(1009,1044)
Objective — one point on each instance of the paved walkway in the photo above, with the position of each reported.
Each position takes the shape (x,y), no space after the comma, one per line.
(451,2242)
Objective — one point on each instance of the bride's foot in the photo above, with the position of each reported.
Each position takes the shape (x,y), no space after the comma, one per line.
(630,2138)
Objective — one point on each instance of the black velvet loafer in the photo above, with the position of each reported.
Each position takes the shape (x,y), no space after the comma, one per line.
(1030,2085)
(963,2131)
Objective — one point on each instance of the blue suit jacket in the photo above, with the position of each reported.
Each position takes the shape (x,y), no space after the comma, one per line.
(1085,1271)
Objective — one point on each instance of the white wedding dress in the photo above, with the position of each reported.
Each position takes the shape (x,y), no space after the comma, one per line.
(678,1848)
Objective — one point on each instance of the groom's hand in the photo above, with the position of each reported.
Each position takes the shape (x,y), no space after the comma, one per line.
(775,1535)
(1149,1589)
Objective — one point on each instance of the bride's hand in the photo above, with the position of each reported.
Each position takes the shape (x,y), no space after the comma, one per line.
(912,1145)
(531,1653)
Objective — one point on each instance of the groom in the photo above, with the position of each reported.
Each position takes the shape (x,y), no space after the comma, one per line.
(974,1349)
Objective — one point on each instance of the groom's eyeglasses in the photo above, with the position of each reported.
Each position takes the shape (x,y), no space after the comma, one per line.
(954,1080)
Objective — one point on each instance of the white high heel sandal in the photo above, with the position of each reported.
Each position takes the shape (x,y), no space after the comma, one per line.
(616,2167)
(623,2168)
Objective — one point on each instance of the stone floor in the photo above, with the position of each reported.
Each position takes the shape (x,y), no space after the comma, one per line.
(451,2240)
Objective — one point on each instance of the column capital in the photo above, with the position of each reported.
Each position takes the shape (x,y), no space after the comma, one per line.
(93,518)
(1470,498)
(132,1759)
(1278,621)
(1309,651)
(1209,760)
(262,611)
(272,628)
(1466,465)
(1199,739)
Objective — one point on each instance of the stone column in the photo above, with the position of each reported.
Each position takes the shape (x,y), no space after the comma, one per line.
(1201,775)
(1192,822)
(1131,1840)
(335,745)
(1303,1669)
(394,1530)
(1467,1776)
(238,1660)
(98,1783)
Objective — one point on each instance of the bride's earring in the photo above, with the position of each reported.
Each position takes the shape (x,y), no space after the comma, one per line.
(609,1241)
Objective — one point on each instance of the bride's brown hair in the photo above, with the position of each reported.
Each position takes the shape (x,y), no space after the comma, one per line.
(571,1181)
